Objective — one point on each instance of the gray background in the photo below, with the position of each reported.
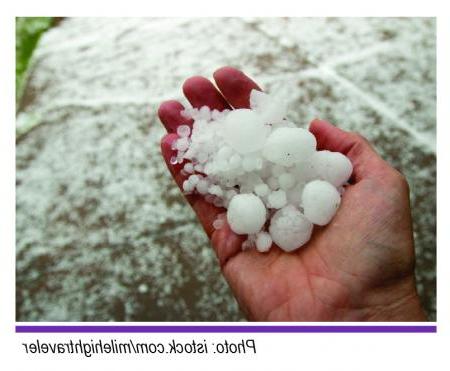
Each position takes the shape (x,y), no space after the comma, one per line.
(102,232)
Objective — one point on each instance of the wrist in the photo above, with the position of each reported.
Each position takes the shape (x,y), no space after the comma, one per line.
(396,303)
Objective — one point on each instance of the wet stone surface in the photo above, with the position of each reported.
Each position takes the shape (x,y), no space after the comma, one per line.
(102,232)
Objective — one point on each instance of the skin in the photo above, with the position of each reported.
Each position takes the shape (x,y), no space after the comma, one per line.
(360,267)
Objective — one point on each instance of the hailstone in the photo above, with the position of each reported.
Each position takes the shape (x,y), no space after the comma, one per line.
(286,146)
(320,201)
(244,131)
(333,167)
(289,228)
(246,214)
(263,241)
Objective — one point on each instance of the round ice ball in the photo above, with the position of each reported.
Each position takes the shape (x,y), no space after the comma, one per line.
(244,131)
(277,199)
(246,214)
(183,131)
(262,189)
(334,167)
(289,228)
(286,146)
(272,108)
(263,242)
(320,200)
(258,99)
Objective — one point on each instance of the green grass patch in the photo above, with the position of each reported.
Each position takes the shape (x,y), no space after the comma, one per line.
(28,32)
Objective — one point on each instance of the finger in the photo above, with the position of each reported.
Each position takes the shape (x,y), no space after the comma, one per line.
(205,211)
(366,161)
(235,86)
(226,243)
(201,92)
(169,113)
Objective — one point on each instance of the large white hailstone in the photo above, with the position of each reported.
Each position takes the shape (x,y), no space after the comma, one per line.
(289,228)
(287,146)
(246,214)
(320,201)
(272,108)
(244,131)
(334,167)
(263,242)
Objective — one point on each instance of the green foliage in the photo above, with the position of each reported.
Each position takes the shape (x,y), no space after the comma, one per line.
(28,32)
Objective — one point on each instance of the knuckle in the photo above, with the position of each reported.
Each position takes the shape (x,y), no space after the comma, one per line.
(358,138)
(359,143)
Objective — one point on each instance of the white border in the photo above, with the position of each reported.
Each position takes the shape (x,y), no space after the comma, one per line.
(318,351)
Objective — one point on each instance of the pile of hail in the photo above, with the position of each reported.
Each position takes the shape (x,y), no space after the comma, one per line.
(263,169)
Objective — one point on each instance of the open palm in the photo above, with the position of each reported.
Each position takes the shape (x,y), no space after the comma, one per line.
(359,267)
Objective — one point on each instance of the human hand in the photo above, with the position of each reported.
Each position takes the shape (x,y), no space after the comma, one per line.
(360,267)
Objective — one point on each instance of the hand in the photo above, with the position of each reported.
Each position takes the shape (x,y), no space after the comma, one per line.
(360,267)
